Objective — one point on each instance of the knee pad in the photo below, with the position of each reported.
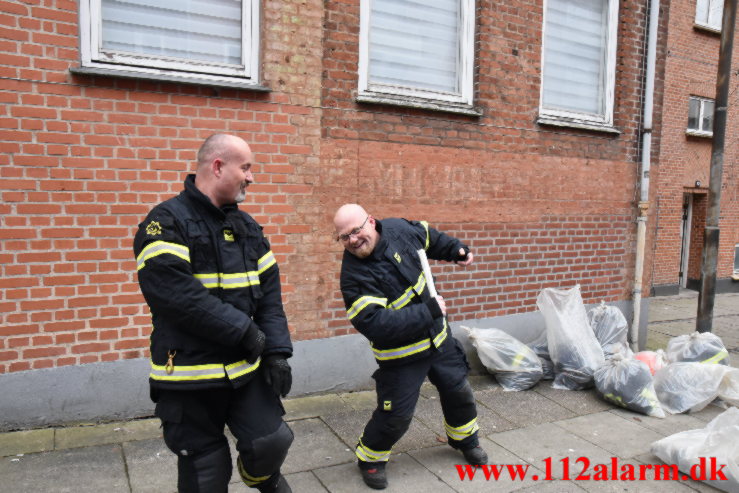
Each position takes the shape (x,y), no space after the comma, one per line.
(204,473)
(265,455)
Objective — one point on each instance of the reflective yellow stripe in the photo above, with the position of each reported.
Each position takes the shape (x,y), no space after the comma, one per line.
(264,263)
(235,370)
(362,303)
(461,432)
(409,293)
(247,478)
(228,281)
(426,225)
(187,372)
(517,360)
(410,349)
(717,357)
(369,455)
(156,248)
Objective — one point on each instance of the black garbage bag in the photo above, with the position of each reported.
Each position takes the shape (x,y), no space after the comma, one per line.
(514,365)
(628,383)
(701,347)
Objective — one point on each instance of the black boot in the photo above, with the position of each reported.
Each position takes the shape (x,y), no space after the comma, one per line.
(475,456)
(373,474)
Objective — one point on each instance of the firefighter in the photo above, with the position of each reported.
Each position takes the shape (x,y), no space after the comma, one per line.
(220,341)
(387,301)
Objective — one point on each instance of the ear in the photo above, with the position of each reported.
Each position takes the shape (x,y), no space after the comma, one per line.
(216,167)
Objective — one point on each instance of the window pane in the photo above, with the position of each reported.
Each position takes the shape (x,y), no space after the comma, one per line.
(701,12)
(736,259)
(199,30)
(575,54)
(694,113)
(707,123)
(715,13)
(415,44)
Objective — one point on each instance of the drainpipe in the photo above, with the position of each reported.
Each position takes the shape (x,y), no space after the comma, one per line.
(646,153)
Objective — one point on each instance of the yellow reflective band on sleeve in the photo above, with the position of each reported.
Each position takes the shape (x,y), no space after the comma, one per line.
(410,349)
(184,373)
(247,478)
(441,336)
(235,370)
(267,261)
(156,248)
(461,432)
(426,225)
(362,303)
(409,293)
(717,357)
(368,455)
(228,281)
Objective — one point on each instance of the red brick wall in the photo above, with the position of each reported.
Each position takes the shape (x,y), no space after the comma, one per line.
(691,69)
(84,158)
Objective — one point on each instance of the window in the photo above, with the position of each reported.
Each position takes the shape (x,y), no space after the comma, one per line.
(736,262)
(417,53)
(578,63)
(708,14)
(700,116)
(212,41)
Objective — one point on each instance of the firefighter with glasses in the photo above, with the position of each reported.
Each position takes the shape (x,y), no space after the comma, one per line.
(220,340)
(386,298)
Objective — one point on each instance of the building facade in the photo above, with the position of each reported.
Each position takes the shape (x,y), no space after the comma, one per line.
(514,126)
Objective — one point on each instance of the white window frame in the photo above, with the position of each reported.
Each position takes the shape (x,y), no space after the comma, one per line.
(95,61)
(705,24)
(462,102)
(697,132)
(559,117)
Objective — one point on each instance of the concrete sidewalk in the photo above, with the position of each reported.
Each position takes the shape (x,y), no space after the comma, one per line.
(517,428)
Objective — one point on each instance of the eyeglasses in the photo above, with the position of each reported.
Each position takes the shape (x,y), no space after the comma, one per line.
(354,232)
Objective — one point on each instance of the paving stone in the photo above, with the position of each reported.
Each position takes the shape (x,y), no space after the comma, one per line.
(648,485)
(523,408)
(83,436)
(315,445)
(536,443)
(672,423)
(304,482)
(443,462)
(708,413)
(554,486)
(152,468)
(81,470)
(360,400)
(580,402)
(405,475)
(619,436)
(26,442)
(311,406)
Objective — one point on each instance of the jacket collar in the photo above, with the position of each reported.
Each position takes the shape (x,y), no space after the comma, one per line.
(193,193)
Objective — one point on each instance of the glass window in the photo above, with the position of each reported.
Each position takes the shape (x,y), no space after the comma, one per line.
(736,259)
(700,115)
(578,60)
(708,13)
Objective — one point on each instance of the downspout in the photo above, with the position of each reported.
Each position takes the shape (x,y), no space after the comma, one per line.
(646,153)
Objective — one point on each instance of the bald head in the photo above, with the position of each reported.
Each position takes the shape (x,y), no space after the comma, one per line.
(224,169)
(356,230)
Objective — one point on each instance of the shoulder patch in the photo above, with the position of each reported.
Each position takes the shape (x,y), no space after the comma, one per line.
(154,228)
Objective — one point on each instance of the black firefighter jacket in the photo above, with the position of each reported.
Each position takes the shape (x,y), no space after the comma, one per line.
(385,293)
(207,274)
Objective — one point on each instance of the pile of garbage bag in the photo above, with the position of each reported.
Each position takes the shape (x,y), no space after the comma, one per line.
(627,382)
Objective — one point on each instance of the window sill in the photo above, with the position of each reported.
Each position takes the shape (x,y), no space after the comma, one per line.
(698,133)
(163,76)
(707,28)
(425,104)
(571,123)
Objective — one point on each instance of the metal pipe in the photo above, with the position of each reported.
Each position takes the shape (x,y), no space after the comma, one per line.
(707,294)
(646,156)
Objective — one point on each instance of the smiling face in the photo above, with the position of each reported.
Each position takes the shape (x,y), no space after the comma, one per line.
(234,174)
(355,230)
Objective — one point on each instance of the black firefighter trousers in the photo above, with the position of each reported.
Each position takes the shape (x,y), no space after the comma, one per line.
(398,389)
(194,421)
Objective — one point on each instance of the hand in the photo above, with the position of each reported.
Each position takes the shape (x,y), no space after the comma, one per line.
(467,260)
(278,374)
(442,304)
(253,342)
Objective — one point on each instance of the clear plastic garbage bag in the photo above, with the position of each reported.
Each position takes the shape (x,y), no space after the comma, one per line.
(718,441)
(703,347)
(541,348)
(514,364)
(628,383)
(690,386)
(573,347)
(655,360)
(610,328)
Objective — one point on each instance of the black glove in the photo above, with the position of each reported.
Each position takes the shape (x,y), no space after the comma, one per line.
(253,342)
(462,258)
(278,374)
